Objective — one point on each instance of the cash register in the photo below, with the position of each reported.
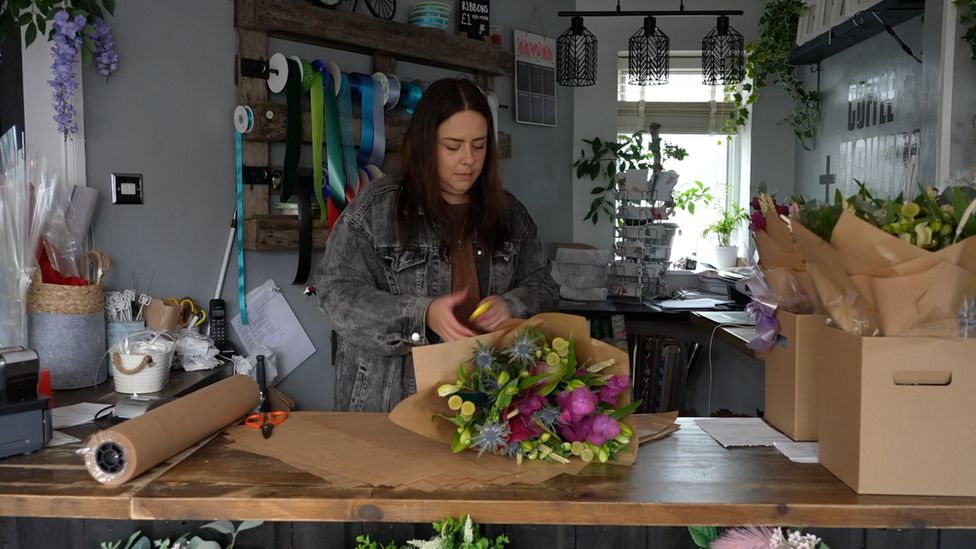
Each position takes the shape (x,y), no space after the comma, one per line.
(25,416)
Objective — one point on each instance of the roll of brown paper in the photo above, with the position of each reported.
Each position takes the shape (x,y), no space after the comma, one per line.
(116,455)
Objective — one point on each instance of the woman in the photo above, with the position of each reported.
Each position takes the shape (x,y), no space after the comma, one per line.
(415,254)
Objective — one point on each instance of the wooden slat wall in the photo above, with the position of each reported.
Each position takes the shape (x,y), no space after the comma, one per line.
(385,41)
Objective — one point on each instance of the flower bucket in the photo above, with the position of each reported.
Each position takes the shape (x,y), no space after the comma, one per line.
(143,366)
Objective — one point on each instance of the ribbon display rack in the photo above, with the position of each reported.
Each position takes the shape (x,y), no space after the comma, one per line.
(385,41)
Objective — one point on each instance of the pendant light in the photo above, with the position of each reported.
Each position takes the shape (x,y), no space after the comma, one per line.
(647,55)
(576,56)
(722,57)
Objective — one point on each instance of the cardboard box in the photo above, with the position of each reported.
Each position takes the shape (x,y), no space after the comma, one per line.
(896,414)
(792,380)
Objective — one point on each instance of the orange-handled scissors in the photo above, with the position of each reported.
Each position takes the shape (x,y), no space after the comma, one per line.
(265,421)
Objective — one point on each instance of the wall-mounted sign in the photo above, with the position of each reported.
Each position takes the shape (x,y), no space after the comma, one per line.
(870,103)
(473,18)
(535,79)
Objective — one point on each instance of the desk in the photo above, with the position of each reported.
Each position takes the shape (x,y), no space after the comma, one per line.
(632,310)
(736,336)
(686,478)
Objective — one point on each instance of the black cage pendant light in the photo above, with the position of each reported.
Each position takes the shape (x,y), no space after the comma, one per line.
(647,55)
(576,56)
(722,57)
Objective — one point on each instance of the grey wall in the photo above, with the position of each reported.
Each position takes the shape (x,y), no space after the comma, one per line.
(876,154)
(167,114)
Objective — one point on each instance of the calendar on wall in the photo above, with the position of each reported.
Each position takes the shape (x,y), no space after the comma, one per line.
(535,79)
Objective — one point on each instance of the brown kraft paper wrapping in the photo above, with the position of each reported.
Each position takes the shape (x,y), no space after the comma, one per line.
(116,455)
(437,364)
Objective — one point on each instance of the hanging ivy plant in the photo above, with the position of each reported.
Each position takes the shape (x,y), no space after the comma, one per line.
(967,15)
(767,62)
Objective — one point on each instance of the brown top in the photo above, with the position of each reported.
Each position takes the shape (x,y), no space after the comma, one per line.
(464,274)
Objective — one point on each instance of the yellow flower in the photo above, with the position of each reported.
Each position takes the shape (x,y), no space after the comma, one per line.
(906,237)
(561,346)
(552,359)
(586,455)
(447,389)
(910,210)
(577,448)
(467,408)
(923,235)
(454,402)
(503,378)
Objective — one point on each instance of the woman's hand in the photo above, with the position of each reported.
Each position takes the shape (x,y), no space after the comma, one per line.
(495,315)
(441,319)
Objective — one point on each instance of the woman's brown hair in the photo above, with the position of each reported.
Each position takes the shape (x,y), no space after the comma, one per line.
(420,189)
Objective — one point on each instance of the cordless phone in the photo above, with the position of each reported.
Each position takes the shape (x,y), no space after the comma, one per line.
(218,325)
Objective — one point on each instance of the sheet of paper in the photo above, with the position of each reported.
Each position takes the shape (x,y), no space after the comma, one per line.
(63,417)
(733,432)
(58,438)
(272,324)
(701,303)
(800,452)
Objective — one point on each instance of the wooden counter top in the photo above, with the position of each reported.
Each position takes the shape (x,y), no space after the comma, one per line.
(684,479)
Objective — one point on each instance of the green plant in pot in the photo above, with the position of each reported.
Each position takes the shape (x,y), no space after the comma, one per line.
(606,159)
(730,219)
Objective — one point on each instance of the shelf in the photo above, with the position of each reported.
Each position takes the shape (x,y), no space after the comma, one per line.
(301,21)
(279,232)
(856,29)
(270,121)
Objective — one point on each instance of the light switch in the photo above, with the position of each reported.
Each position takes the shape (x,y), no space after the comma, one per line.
(126,188)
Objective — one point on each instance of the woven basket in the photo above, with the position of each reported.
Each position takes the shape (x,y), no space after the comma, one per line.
(69,300)
(66,326)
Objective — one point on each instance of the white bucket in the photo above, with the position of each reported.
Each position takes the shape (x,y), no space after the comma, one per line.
(724,257)
(144,368)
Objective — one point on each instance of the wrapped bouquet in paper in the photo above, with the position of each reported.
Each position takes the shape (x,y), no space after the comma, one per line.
(782,263)
(897,268)
(537,390)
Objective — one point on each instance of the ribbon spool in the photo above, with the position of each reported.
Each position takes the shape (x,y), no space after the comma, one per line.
(410,95)
(243,123)
(335,74)
(381,83)
(394,91)
(493,106)
(278,73)
(243,118)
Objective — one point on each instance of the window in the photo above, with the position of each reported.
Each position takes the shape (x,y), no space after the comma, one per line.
(691,116)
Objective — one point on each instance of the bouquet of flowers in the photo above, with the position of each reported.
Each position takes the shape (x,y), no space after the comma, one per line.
(782,263)
(893,267)
(535,390)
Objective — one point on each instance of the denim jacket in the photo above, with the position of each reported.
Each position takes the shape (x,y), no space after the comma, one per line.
(377,298)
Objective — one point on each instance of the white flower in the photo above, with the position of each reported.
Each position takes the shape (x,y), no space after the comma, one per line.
(468,535)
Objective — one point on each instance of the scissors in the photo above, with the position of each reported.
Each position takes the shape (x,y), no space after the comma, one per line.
(191,315)
(265,421)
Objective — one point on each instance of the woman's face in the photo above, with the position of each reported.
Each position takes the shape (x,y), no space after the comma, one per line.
(462,141)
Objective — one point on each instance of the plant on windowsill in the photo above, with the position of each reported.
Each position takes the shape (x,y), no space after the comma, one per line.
(767,62)
(730,219)
(696,193)
(609,158)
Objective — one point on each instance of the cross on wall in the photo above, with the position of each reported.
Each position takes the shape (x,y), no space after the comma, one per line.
(828,179)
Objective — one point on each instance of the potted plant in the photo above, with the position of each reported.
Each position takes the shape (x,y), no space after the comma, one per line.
(729,220)
(609,158)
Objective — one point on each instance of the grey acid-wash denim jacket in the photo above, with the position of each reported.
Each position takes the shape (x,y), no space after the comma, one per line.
(377,297)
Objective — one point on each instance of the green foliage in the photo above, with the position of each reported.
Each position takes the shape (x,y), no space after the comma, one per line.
(698,192)
(608,158)
(703,536)
(967,16)
(460,533)
(767,62)
(34,16)
(729,220)
(139,541)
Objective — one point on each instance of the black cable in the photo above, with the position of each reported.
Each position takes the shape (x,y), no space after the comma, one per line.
(98,414)
(891,31)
